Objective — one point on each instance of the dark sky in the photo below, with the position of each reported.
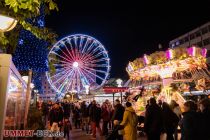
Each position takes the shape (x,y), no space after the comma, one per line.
(127,30)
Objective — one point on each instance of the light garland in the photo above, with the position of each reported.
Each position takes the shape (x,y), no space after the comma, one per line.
(31,52)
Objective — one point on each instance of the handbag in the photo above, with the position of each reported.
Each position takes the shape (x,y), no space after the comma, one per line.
(121,132)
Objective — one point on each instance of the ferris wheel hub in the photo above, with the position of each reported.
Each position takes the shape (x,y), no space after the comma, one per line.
(75,64)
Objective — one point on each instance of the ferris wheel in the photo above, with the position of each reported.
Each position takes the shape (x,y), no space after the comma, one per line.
(79,62)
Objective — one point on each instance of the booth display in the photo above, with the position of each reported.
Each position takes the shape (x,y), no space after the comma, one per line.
(179,65)
(13,96)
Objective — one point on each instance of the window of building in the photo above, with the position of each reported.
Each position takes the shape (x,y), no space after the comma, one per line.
(181,41)
(200,44)
(177,43)
(192,36)
(206,41)
(186,39)
(204,30)
(198,33)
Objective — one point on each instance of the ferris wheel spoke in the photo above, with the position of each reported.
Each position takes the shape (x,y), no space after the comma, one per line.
(60,71)
(97,65)
(68,56)
(90,47)
(88,55)
(85,46)
(64,84)
(94,74)
(69,71)
(98,60)
(94,57)
(61,57)
(85,74)
(80,44)
(100,71)
(63,62)
(71,48)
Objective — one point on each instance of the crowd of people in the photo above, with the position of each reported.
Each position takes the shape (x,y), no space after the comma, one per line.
(118,122)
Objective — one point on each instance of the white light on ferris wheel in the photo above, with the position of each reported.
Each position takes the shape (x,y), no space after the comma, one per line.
(75,64)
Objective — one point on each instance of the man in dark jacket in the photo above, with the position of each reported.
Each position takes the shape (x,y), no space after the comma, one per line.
(189,122)
(85,116)
(118,112)
(95,117)
(56,115)
(153,124)
(118,117)
(66,109)
(204,119)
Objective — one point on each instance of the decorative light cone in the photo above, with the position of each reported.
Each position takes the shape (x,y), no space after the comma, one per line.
(7,23)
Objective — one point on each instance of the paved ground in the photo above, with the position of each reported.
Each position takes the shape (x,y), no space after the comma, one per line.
(78,134)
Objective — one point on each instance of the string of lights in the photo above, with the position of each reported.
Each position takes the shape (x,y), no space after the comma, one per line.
(31,52)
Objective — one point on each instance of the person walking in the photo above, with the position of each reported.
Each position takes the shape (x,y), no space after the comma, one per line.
(204,120)
(130,122)
(55,118)
(153,124)
(106,118)
(77,117)
(66,109)
(177,110)
(67,128)
(118,117)
(85,116)
(95,117)
(170,121)
(189,122)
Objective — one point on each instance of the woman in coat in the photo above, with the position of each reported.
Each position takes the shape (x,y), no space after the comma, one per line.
(189,122)
(130,122)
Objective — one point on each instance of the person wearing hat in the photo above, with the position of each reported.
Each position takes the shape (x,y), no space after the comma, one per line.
(129,123)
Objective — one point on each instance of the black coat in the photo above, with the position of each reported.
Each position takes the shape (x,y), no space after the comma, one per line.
(84,110)
(170,121)
(56,115)
(204,125)
(66,109)
(153,120)
(189,126)
(95,114)
(118,112)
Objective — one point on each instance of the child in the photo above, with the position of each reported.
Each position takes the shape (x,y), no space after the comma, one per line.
(67,128)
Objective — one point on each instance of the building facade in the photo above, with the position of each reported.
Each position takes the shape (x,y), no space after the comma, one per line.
(48,92)
(199,37)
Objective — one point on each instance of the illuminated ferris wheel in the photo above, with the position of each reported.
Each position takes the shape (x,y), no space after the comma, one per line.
(79,61)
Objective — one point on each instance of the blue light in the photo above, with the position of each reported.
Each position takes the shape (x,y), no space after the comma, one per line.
(31,52)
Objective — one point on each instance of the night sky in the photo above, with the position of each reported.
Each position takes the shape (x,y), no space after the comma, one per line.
(127,30)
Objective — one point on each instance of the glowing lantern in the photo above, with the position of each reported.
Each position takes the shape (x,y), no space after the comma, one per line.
(7,23)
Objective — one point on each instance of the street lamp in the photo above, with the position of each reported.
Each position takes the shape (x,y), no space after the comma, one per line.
(87,89)
(119,82)
(7,23)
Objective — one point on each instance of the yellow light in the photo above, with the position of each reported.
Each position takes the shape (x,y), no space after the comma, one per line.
(7,23)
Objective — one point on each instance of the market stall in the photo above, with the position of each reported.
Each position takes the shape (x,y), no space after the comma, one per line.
(179,67)
(13,96)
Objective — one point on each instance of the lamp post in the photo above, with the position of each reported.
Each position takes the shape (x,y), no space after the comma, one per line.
(35,97)
(73,92)
(7,23)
